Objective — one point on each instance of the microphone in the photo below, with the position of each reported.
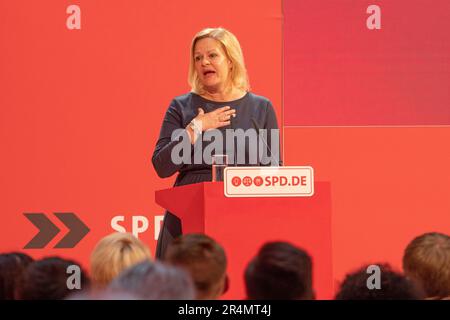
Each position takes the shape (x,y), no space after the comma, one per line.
(257,127)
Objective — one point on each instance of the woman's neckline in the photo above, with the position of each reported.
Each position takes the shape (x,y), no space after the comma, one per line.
(214,101)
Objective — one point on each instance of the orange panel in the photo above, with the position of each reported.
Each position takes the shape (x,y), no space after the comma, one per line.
(388,185)
(80,110)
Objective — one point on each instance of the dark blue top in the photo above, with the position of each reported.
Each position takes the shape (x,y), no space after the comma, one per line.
(180,113)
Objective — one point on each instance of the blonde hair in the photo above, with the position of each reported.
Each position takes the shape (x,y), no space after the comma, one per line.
(427,260)
(115,253)
(232,48)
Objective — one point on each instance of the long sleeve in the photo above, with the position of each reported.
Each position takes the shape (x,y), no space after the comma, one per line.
(272,123)
(183,109)
(161,159)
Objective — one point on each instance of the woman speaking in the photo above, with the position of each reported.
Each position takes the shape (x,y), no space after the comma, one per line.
(220,99)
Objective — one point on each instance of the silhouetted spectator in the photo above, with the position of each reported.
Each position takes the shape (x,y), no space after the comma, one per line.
(204,259)
(392,286)
(154,281)
(47,279)
(12,268)
(279,271)
(103,295)
(426,261)
(113,254)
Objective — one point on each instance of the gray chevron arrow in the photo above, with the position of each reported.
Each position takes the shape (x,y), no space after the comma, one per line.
(47,230)
(77,230)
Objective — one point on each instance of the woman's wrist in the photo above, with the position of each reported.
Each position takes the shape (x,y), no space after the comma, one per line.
(194,129)
(191,134)
(196,125)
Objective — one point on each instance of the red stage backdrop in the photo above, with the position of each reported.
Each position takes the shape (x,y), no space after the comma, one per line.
(85,85)
(367,104)
(81,109)
(359,62)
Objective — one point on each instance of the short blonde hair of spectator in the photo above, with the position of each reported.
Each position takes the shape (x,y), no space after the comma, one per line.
(427,260)
(115,253)
(233,51)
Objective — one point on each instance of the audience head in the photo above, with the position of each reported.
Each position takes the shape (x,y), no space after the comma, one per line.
(104,294)
(392,285)
(48,279)
(426,261)
(279,271)
(12,268)
(204,259)
(113,254)
(197,266)
(154,281)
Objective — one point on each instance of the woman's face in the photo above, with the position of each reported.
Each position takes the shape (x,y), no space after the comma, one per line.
(211,64)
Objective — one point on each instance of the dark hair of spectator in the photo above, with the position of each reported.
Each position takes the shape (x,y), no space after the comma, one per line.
(393,285)
(47,279)
(279,271)
(12,268)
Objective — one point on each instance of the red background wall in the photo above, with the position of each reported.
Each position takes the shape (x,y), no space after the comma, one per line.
(81,109)
(339,72)
(369,110)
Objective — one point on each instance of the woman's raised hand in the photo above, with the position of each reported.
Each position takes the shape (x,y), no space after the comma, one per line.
(215,119)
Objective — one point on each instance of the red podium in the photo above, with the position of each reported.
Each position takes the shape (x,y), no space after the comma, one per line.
(243,225)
